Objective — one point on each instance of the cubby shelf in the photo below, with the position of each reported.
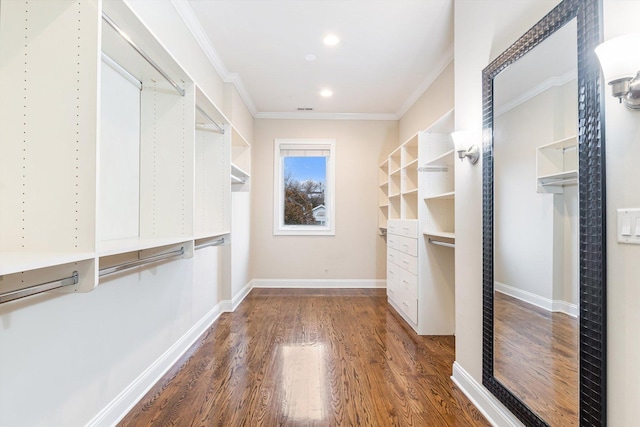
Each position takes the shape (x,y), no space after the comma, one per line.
(443,160)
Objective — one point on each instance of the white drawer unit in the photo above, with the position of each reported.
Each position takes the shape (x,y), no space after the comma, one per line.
(403,227)
(402,268)
(407,245)
(417,209)
(403,260)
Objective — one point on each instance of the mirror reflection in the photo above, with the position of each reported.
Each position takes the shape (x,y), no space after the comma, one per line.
(536,225)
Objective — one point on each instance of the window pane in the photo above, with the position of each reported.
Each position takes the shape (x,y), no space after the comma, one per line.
(304,190)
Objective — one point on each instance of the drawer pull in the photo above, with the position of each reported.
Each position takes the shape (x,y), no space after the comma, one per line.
(405,304)
(405,262)
(405,282)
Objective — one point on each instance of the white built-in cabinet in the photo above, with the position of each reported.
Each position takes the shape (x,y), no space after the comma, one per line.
(106,160)
(421,228)
(557,165)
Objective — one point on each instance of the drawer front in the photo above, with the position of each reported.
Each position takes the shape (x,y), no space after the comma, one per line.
(393,292)
(403,227)
(401,259)
(403,244)
(393,273)
(408,284)
(410,307)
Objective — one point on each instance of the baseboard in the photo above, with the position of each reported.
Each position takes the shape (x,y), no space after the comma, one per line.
(240,296)
(487,404)
(537,300)
(122,404)
(319,283)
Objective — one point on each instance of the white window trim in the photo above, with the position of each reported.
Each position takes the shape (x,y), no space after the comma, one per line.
(278,189)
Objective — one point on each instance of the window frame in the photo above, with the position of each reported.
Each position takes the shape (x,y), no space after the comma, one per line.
(279,228)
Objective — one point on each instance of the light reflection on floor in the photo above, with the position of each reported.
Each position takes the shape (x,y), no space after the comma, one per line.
(303,381)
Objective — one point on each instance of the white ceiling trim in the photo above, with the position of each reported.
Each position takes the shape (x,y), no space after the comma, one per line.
(192,23)
(310,115)
(426,83)
(189,17)
(537,90)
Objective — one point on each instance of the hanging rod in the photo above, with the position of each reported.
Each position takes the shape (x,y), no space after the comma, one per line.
(220,128)
(137,263)
(142,53)
(213,243)
(237,180)
(560,182)
(433,169)
(439,243)
(33,290)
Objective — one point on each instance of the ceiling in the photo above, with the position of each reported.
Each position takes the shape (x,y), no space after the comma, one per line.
(389,52)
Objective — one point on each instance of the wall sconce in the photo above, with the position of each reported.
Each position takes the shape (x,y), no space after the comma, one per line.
(466,139)
(620,62)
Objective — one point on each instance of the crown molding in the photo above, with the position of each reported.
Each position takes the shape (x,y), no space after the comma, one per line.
(428,81)
(536,90)
(193,24)
(309,115)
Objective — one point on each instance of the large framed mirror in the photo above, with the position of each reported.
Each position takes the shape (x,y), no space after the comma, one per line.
(544,300)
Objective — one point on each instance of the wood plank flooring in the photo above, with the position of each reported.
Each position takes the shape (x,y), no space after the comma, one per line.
(310,358)
(536,357)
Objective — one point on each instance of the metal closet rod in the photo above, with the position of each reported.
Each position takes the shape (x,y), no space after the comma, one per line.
(33,290)
(137,263)
(142,53)
(220,128)
(439,243)
(212,243)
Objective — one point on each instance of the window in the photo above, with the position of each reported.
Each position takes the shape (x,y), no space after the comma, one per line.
(304,187)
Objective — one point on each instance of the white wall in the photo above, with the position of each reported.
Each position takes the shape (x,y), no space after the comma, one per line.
(429,107)
(356,251)
(623,268)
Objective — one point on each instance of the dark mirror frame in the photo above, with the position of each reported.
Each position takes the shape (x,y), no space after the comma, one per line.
(591,172)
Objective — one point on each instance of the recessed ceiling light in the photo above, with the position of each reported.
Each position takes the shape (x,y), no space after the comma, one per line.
(326,93)
(331,40)
(309,57)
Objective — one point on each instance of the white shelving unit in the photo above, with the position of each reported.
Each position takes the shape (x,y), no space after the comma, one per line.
(437,180)
(212,204)
(383,195)
(240,162)
(99,146)
(557,165)
(416,201)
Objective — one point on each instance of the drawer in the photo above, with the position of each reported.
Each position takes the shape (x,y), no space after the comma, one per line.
(408,284)
(403,227)
(393,273)
(406,261)
(393,292)
(403,244)
(410,307)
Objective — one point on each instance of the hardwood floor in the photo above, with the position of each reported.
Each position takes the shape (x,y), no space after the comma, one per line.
(536,357)
(310,358)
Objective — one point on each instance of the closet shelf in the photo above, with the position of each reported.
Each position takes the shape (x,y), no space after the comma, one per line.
(553,178)
(211,235)
(412,162)
(442,196)
(446,159)
(411,191)
(17,262)
(441,235)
